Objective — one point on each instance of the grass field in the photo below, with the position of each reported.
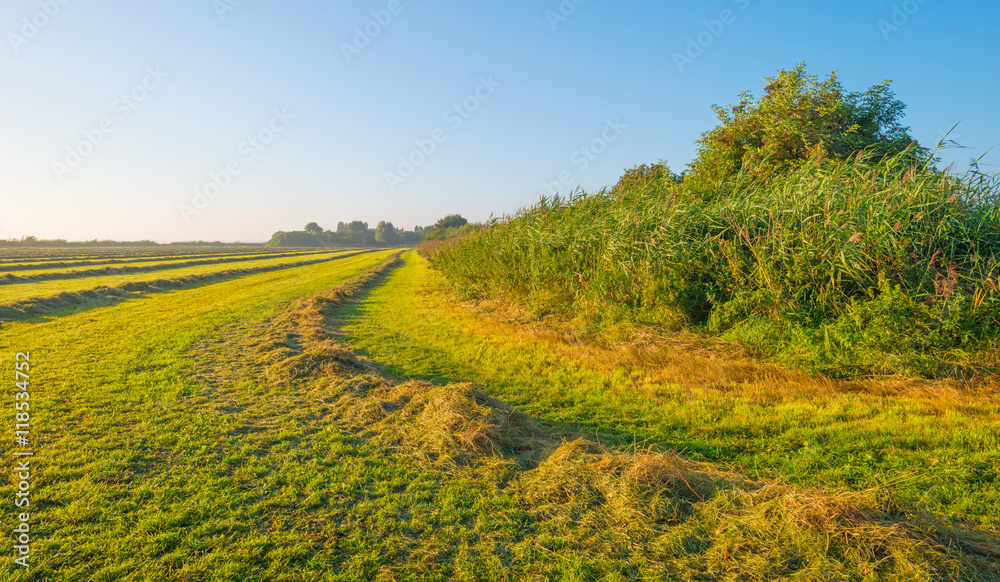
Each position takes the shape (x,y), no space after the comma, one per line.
(32,290)
(52,254)
(354,420)
(20,272)
(25,256)
(121,440)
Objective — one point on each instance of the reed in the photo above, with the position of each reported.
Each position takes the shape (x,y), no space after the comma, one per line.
(865,265)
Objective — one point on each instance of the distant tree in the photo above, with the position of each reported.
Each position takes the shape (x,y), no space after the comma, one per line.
(341,227)
(410,237)
(799,117)
(313,228)
(357,233)
(293,239)
(451,221)
(385,233)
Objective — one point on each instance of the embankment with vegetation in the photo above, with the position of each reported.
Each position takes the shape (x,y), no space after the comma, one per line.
(811,228)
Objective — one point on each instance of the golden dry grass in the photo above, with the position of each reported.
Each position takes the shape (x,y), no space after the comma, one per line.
(698,362)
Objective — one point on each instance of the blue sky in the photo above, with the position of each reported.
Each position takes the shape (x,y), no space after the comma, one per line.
(229,120)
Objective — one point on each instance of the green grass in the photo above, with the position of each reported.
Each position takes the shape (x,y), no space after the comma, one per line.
(145,472)
(934,445)
(13,293)
(147,264)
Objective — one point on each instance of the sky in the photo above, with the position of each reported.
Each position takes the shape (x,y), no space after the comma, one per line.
(232,119)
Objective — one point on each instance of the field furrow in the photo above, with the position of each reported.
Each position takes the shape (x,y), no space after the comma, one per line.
(16,255)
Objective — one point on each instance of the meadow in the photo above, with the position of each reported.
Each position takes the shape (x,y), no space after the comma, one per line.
(348,416)
(25,272)
(57,288)
(111,404)
(15,253)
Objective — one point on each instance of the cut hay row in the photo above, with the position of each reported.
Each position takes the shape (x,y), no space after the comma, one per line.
(103,295)
(40,289)
(27,254)
(934,443)
(18,266)
(34,276)
(655,513)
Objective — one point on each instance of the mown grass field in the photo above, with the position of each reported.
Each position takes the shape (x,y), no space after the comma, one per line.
(64,269)
(126,253)
(352,420)
(40,289)
(20,254)
(128,439)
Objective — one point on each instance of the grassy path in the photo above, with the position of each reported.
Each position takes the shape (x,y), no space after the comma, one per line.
(936,447)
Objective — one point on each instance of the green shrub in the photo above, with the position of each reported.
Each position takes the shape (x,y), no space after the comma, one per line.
(798,118)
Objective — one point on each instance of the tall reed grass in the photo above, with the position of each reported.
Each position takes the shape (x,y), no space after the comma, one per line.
(858,266)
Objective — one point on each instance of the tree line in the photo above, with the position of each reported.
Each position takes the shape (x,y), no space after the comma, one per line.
(358,234)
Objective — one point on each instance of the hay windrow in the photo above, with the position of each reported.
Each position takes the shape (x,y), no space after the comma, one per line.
(102,295)
(14,279)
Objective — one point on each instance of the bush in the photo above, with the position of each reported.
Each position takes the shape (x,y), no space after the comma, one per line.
(799,118)
(448,227)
